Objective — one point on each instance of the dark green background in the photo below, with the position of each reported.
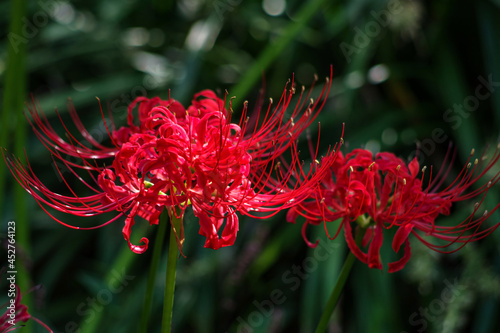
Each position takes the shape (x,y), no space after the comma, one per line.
(435,54)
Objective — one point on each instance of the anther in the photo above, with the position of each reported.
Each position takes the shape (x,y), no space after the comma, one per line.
(245,103)
(315,77)
(485,213)
(341,140)
(472,151)
(370,167)
(424,168)
(404,181)
(270,100)
(398,167)
(489,184)
(316,161)
(476,161)
(351,168)
(468,165)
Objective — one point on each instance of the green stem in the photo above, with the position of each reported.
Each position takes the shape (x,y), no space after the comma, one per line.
(275,49)
(339,286)
(153,270)
(168,300)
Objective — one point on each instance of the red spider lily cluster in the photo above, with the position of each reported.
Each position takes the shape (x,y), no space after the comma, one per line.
(175,157)
(16,313)
(384,192)
(171,157)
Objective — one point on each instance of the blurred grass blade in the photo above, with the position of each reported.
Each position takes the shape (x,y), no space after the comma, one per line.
(121,264)
(13,100)
(15,85)
(330,255)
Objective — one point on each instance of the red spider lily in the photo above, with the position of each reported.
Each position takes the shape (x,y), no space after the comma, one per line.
(384,192)
(16,313)
(177,157)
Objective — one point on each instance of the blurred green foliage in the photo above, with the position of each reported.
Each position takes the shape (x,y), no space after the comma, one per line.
(405,72)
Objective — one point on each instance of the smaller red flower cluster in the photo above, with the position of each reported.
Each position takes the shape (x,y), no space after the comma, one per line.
(384,192)
(16,313)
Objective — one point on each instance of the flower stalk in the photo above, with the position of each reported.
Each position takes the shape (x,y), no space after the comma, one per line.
(153,270)
(339,286)
(168,300)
